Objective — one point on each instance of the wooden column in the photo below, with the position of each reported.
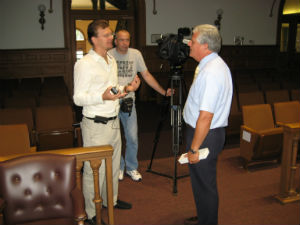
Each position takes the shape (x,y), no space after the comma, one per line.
(287,189)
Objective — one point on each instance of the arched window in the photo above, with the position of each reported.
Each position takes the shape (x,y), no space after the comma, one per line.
(80,44)
(79,35)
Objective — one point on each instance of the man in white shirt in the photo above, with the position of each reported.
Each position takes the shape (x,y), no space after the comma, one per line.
(94,76)
(206,115)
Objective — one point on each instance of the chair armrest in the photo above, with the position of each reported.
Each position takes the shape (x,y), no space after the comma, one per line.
(32,149)
(78,205)
(244,127)
(277,130)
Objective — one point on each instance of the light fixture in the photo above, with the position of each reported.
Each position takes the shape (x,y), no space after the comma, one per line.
(219,18)
(154,8)
(42,9)
(50,10)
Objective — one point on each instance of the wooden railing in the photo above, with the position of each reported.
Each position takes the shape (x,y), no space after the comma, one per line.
(287,189)
(95,155)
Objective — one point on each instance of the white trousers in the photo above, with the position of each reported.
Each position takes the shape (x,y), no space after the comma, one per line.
(94,134)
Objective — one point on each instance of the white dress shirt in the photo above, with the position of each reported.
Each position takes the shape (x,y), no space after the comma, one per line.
(92,76)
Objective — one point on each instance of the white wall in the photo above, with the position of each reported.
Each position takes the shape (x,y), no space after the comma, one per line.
(247,18)
(20,27)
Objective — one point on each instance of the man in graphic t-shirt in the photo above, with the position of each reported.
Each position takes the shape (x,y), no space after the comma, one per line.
(130,61)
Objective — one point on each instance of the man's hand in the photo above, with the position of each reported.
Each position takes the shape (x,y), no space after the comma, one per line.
(108,95)
(193,158)
(170,92)
(134,85)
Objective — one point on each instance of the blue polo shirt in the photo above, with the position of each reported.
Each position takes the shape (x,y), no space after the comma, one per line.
(211,91)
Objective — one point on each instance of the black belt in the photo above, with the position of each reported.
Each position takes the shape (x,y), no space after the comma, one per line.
(101,119)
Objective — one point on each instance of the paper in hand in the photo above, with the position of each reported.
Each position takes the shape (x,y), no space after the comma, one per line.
(203,153)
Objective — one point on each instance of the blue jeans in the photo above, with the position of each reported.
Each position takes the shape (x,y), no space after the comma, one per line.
(130,130)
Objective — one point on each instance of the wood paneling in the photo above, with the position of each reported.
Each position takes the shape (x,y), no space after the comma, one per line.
(36,63)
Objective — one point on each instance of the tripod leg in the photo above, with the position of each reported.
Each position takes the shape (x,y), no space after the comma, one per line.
(164,112)
(176,141)
(156,139)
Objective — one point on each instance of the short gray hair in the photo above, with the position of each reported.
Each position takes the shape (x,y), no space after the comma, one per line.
(209,34)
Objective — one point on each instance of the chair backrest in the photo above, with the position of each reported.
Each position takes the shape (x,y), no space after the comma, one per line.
(295,94)
(258,117)
(287,112)
(251,98)
(54,117)
(54,127)
(20,101)
(269,86)
(37,187)
(14,138)
(16,116)
(273,96)
(247,87)
(53,100)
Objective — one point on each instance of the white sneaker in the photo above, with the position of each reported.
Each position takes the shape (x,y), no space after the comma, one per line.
(121,175)
(135,175)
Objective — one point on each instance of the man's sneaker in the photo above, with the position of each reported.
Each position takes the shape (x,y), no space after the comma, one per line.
(121,175)
(135,175)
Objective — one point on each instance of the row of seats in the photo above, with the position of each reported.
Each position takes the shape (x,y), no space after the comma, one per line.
(33,92)
(256,97)
(261,136)
(49,127)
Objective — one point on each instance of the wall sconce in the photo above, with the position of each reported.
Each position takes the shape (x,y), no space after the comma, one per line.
(219,18)
(42,9)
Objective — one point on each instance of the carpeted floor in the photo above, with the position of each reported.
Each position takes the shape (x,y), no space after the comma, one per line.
(246,197)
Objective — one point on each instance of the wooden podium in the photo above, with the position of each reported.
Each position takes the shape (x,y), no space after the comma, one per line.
(288,192)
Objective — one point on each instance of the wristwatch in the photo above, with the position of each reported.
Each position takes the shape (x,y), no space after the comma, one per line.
(192,151)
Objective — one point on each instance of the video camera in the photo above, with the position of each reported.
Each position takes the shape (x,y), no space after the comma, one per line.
(172,48)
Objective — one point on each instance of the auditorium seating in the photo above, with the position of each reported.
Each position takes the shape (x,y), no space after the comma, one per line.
(235,118)
(273,96)
(19,101)
(295,94)
(287,112)
(40,189)
(251,98)
(14,139)
(260,140)
(54,86)
(53,100)
(54,127)
(19,116)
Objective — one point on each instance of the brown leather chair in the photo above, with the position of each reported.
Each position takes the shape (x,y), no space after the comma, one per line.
(260,140)
(41,189)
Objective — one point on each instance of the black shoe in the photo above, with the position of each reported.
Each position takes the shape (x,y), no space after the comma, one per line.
(93,221)
(191,221)
(120,205)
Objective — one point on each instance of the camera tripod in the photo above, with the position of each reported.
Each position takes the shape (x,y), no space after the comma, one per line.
(175,105)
